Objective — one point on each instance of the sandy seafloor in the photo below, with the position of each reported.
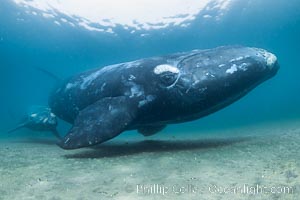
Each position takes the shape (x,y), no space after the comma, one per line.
(261,155)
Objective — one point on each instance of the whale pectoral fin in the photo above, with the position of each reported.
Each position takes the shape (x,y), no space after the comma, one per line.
(99,122)
(150,129)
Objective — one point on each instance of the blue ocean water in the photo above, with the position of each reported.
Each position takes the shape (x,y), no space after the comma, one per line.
(28,41)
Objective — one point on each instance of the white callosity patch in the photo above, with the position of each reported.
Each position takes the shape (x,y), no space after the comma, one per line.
(165,68)
(244,66)
(232,69)
(269,57)
(104,16)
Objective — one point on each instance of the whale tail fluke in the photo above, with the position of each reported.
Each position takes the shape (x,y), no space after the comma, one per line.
(16,128)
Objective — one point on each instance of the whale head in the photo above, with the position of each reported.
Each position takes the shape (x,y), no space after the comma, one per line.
(208,80)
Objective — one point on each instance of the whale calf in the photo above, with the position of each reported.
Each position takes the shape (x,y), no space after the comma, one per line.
(39,118)
(148,94)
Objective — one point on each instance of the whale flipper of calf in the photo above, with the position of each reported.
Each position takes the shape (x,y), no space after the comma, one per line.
(149,94)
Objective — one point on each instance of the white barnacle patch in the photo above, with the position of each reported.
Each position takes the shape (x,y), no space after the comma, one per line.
(232,69)
(222,65)
(165,68)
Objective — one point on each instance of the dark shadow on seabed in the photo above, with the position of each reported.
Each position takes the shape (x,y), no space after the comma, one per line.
(45,141)
(124,149)
(119,149)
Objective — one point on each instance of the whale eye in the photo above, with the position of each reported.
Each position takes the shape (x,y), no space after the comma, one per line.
(168,78)
(168,74)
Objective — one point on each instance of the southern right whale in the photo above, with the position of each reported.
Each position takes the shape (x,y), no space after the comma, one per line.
(148,94)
